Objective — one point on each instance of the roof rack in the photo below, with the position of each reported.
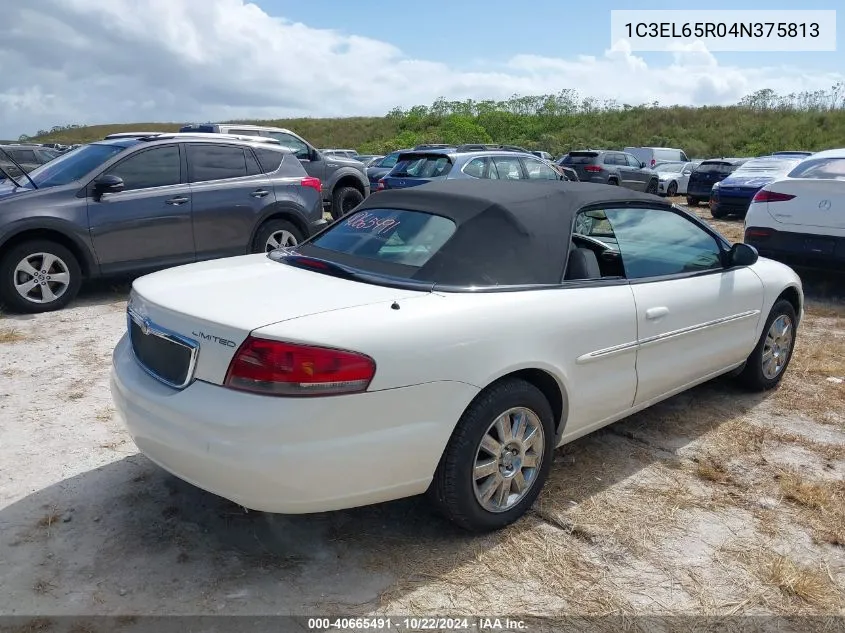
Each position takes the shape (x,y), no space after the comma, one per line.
(158,136)
(131,135)
(481,147)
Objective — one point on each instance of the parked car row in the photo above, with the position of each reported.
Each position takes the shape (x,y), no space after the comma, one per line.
(21,158)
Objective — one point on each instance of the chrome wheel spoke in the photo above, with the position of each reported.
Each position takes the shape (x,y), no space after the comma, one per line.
(47,293)
(508,454)
(47,262)
(61,278)
(486,468)
(26,287)
(27,268)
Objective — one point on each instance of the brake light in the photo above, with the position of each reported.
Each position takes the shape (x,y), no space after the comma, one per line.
(771,196)
(312,182)
(380,186)
(276,368)
(653,161)
(760,233)
(592,168)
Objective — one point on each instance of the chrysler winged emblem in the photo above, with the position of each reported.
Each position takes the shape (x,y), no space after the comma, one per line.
(824,205)
(145,327)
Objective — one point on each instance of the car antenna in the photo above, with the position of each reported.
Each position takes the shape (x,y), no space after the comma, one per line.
(16,164)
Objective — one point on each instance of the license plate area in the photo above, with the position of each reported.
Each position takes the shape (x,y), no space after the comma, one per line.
(165,355)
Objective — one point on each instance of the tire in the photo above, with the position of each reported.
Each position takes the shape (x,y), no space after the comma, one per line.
(613,181)
(454,488)
(283,232)
(672,189)
(63,265)
(692,202)
(344,199)
(753,376)
(717,213)
(651,187)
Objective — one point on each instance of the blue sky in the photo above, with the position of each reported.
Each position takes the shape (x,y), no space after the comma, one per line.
(126,61)
(462,33)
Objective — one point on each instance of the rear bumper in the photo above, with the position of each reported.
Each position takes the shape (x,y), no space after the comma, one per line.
(290,455)
(800,248)
(702,193)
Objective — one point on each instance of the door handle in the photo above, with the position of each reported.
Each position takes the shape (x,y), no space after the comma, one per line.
(652,314)
(259,193)
(176,201)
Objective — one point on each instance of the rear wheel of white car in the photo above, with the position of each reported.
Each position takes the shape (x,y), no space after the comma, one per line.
(39,276)
(275,234)
(767,364)
(497,459)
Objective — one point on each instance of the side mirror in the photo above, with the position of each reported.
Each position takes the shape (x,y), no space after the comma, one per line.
(314,155)
(742,255)
(107,184)
(642,165)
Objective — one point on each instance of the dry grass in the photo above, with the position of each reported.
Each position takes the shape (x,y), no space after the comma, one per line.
(11,335)
(819,505)
(49,519)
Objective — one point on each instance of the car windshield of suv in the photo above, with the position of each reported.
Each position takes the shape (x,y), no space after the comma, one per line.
(578,158)
(821,169)
(669,167)
(73,165)
(425,167)
(721,168)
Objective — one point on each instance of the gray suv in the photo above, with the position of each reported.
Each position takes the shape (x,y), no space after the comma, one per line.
(132,205)
(612,168)
(344,180)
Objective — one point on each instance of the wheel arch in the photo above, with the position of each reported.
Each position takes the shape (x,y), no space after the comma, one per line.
(544,380)
(793,295)
(56,234)
(348,179)
(280,212)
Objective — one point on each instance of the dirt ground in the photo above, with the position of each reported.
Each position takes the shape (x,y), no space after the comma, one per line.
(715,502)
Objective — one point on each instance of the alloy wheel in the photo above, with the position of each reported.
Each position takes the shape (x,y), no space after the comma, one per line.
(41,278)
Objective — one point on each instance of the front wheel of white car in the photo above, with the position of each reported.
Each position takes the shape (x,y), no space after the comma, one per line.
(497,459)
(767,364)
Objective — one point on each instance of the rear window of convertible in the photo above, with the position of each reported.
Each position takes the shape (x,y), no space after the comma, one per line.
(391,236)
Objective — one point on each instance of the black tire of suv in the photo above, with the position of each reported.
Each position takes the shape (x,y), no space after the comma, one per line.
(451,489)
(267,229)
(613,181)
(692,202)
(652,187)
(717,213)
(14,301)
(344,200)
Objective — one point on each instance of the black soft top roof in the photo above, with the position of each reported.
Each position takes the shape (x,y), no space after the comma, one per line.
(508,232)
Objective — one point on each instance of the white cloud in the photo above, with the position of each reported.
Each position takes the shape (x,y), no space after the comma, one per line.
(89,61)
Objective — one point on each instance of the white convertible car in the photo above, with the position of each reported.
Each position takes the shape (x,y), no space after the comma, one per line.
(442,339)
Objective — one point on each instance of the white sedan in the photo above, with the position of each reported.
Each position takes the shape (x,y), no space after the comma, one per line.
(801,217)
(673,177)
(443,338)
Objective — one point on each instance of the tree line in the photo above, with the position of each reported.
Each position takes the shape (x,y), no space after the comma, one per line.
(759,123)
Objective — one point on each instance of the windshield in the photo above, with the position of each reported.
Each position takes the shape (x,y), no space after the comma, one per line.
(766,166)
(432,166)
(715,168)
(73,165)
(669,167)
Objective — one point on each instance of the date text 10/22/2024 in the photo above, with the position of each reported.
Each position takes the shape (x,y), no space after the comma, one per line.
(478,624)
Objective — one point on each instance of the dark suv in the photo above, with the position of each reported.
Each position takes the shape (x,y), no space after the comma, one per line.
(707,174)
(612,168)
(133,205)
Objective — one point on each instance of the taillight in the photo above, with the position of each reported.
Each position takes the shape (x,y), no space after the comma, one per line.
(276,368)
(592,168)
(380,186)
(760,233)
(653,161)
(312,182)
(771,196)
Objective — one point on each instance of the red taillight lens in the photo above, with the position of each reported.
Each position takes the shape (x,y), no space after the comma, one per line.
(771,196)
(592,168)
(285,369)
(653,161)
(312,182)
(758,233)
(380,186)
